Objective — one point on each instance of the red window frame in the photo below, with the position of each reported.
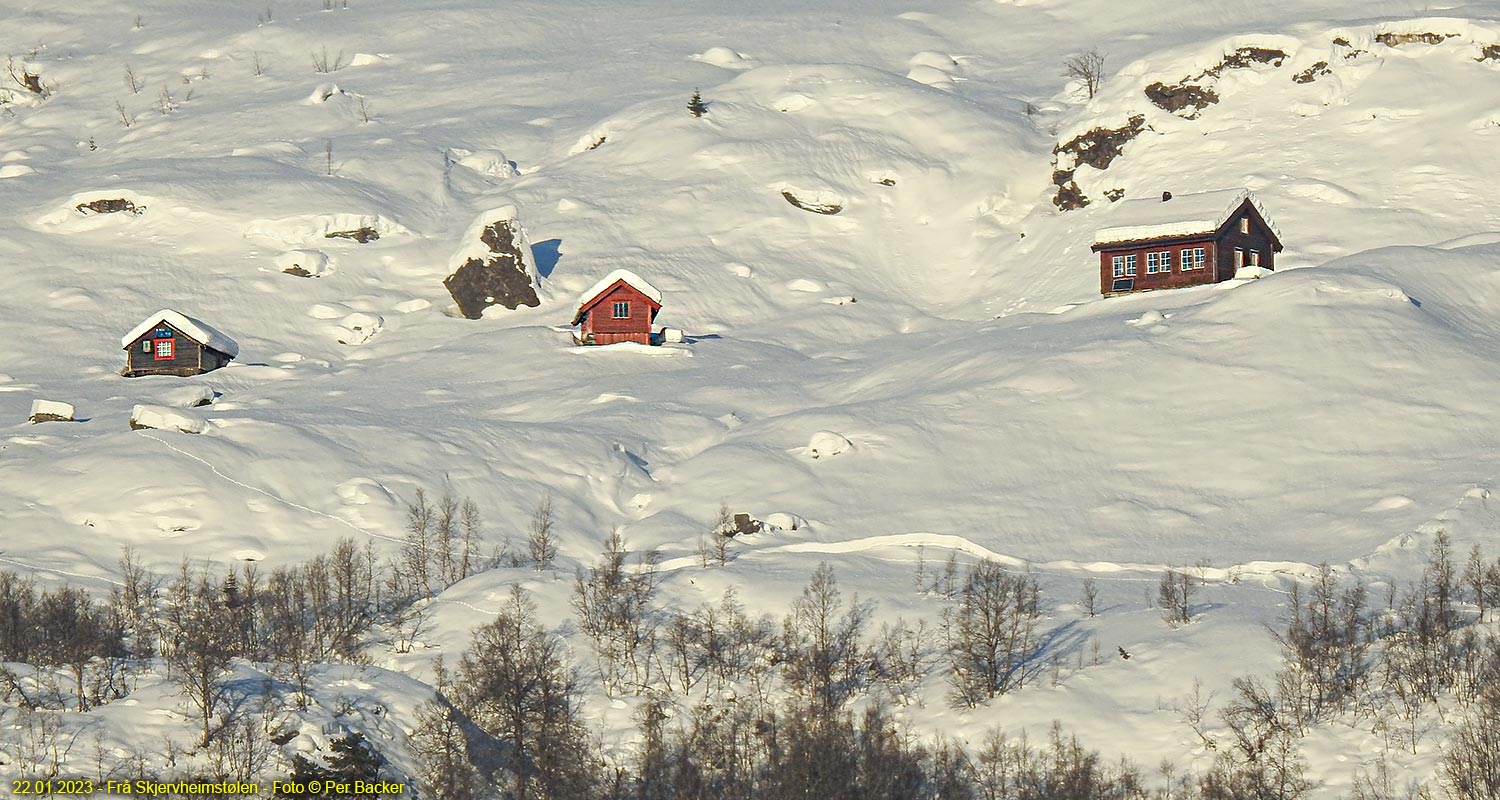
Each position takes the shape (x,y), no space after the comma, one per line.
(167,352)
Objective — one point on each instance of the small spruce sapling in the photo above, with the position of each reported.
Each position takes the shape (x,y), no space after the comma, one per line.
(696,106)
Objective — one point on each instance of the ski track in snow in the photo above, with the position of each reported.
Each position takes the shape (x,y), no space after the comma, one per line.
(35,568)
(277,498)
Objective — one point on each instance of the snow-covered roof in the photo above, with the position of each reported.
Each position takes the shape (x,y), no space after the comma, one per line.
(202,332)
(1183,215)
(626,275)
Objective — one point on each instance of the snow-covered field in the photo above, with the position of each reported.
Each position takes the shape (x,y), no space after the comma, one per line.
(929,370)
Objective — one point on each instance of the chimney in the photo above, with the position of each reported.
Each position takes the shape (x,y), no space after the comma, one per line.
(1165,196)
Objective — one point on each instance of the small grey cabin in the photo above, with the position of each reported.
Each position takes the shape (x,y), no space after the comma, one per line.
(172,343)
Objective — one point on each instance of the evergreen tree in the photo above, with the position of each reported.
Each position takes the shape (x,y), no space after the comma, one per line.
(696,106)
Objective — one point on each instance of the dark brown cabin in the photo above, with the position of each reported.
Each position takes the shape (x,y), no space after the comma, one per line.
(172,343)
(620,308)
(1188,240)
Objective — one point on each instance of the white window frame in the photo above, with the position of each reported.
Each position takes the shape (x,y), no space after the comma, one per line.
(1239,257)
(1119,266)
(617,307)
(1254,258)
(1153,262)
(1130,262)
(1245,224)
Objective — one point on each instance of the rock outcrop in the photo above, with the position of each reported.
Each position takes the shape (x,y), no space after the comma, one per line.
(494,268)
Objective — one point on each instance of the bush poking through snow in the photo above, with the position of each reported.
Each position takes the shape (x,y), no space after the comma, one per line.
(1087,67)
(303,263)
(696,106)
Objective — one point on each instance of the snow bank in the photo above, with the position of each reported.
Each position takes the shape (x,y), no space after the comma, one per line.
(167,419)
(305,228)
(724,58)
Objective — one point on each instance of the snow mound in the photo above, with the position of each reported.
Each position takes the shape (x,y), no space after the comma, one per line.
(1152,317)
(165,418)
(305,263)
(782,520)
(306,228)
(491,163)
(324,92)
(724,58)
(826,444)
(15,171)
(191,396)
(930,76)
(358,328)
(67,214)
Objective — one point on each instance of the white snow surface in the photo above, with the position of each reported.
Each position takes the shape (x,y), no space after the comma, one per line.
(1183,215)
(1339,409)
(640,284)
(200,331)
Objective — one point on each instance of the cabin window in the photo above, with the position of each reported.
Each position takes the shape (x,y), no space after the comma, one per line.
(622,311)
(1244,224)
(1239,258)
(1254,258)
(1119,264)
(146,346)
(164,349)
(1192,258)
(1158,261)
(1130,265)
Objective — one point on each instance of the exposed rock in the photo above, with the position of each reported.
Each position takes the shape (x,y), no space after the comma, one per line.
(110,207)
(1398,39)
(499,274)
(816,208)
(1100,146)
(1114,195)
(1070,197)
(1491,52)
(1245,56)
(1342,42)
(1312,73)
(1180,97)
(361,235)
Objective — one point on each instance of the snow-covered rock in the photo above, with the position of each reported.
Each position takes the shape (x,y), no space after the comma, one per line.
(303,263)
(166,418)
(190,396)
(826,444)
(51,411)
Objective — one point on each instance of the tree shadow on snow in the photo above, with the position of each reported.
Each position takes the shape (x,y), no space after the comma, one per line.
(546,254)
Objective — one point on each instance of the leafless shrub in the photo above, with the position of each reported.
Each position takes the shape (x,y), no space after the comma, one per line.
(324,64)
(1088,67)
(541,541)
(132,82)
(126,118)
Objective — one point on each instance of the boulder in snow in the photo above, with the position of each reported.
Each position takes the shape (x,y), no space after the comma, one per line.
(493,267)
(359,327)
(51,411)
(784,521)
(826,444)
(164,418)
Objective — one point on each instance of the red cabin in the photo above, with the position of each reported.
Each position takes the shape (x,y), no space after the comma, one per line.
(1180,241)
(619,308)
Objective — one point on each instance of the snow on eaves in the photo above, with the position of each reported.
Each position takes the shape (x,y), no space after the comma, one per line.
(201,331)
(1183,215)
(626,275)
